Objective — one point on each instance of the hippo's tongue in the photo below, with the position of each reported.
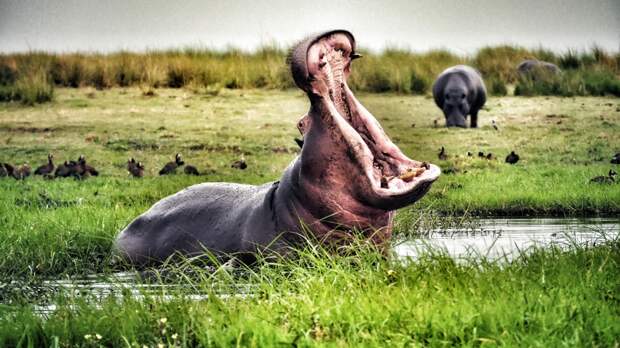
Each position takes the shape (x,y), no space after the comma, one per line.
(391,178)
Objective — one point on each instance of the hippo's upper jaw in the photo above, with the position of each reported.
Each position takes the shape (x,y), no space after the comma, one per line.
(345,148)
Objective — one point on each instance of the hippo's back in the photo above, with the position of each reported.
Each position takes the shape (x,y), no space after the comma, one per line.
(208,216)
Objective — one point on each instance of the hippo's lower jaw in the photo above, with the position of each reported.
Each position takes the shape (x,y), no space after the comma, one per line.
(378,174)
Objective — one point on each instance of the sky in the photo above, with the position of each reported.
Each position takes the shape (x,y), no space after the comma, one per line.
(460,26)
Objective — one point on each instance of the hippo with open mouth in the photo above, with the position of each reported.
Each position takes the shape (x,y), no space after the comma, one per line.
(349,178)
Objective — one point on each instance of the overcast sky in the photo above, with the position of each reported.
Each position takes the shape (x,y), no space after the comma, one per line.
(110,25)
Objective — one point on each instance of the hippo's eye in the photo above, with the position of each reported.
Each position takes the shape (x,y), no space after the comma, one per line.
(463,96)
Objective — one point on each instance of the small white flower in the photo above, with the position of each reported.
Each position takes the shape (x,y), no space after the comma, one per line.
(174,336)
(98,336)
(88,336)
(163,320)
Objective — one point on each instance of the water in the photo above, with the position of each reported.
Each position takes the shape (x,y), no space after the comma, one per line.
(506,239)
(494,239)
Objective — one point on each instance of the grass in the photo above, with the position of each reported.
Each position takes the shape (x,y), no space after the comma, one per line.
(52,226)
(547,298)
(589,72)
(65,228)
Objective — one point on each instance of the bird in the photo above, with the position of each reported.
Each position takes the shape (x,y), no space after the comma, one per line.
(490,156)
(171,167)
(442,154)
(239,164)
(494,125)
(300,142)
(191,170)
(46,169)
(480,154)
(136,169)
(22,172)
(83,169)
(435,123)
(609,179)
(469,154)
(68,168)
(512,158)
(616,158)
(6,169)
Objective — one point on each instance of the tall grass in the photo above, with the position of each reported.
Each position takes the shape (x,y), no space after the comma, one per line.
(593,72)
(546,298)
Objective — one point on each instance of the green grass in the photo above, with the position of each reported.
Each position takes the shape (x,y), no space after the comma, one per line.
(65,228)
(588,72)
(53,226)
(549,298)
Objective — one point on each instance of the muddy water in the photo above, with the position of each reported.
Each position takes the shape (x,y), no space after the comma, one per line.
(508,238)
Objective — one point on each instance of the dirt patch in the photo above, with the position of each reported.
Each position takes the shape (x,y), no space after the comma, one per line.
(23,129)
(131,144)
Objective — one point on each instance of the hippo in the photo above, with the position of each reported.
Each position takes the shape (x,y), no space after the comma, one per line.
(346,182)
(459,91)
(537,69)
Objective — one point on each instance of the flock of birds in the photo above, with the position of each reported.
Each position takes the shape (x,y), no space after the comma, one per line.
(80,169)
(513,158)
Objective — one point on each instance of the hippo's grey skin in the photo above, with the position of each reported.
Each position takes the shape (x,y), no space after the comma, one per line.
(459,91)
(349,176)
(535,68)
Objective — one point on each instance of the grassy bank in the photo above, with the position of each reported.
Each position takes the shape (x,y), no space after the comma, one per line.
(52,227)
(592,72)
(550,298)
(65,228)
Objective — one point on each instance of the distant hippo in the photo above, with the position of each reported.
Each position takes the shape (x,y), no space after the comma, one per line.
(459,91)
(534,68)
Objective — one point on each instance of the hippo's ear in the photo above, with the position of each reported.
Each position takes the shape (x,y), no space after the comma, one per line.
(298,57)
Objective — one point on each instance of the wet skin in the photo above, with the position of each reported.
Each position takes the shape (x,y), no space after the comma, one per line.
(348,177)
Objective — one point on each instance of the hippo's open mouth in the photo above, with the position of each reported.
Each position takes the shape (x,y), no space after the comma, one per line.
(394,178)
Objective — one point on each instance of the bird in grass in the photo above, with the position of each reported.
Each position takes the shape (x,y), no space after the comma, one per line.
(171,167)
(136,169)
(480,154)
(490,156)
(67,169)
(616,158)
(239,164)
(512,158)
(47,168)
(21,172)
(6,169)
(84,169)
(469,154)
(609,179)
(495,125)
(191,170)
(442,154)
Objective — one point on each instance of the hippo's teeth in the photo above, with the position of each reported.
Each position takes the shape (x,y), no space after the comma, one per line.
(411,173)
